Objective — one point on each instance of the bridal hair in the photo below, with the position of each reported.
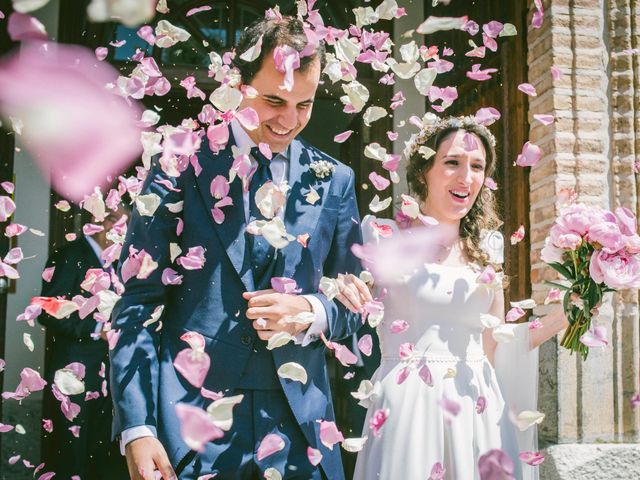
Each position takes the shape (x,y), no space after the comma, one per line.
(421,150)
(276,31)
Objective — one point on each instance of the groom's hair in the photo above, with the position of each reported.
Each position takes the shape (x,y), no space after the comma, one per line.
(275,32)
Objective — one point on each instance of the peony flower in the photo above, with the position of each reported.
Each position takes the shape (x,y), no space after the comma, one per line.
(564,238)
(608,235)
(617,271)
(575,218)
(550,253)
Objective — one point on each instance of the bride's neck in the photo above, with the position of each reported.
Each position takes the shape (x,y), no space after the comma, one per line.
(449,230)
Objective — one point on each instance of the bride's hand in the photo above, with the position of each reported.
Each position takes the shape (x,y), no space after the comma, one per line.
(354,293)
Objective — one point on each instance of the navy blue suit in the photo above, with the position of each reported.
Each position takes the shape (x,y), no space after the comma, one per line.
(93,454)
(146,386)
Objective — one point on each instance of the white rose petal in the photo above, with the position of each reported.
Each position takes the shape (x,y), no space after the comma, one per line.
(426,152)
(293,371)
(175,207)
(354,444)
(312,197)
(387,9)
(221,411)
(424,80)
(253,52)
(272,474)
(147,204)
(378,205)
(403,70)
(108,299)
(527,304)
(129,13)
(375,151)
(529,418)
(275,233)
(174,251)
(26,339)
(367,393)
(346,50)
(279,339)
(67,382)
(365,16)
(357,94)
(329,287)
(372,114)
(226,98)
(26,6)
(409,52)
(168,34)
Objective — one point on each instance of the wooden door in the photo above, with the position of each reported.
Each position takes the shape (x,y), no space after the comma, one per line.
(511,131)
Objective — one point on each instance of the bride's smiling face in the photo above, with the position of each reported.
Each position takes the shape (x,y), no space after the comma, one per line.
(455,178)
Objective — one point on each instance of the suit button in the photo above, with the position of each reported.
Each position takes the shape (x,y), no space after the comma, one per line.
(246,340)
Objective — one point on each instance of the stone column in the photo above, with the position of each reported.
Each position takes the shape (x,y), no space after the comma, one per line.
(590,148)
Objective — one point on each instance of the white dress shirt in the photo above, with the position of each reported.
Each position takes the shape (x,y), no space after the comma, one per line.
(279,167)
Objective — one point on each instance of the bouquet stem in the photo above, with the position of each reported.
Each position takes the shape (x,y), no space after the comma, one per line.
(578,326)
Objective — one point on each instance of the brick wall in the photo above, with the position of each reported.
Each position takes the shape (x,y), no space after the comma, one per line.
(590,148)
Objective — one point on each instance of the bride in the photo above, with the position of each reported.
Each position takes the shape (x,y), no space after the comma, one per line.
(436,407)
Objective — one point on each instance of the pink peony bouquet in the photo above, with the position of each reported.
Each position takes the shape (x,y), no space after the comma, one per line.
(596,251)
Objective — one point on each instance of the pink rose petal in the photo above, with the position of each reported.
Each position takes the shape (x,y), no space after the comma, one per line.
(101,53)
(196,426)
(531,458)
(398,326)
(487,116)
(544,119)
(528,89)
(248,117)
(424,372)
(530,156)
(329,434)
(495,465)
(195,10)
(21,27)
(378,181)
(514,314)
(518,235)
(595,337)
(342,137)
(7,207)
(556,73)
(66,86)
(285,285)
(193,365)
(193,260)
(314,456)
(270,444)
(481,404)
(402,375)
(365,344)
(490,183)
(377,420)
(450,406)
(171,277)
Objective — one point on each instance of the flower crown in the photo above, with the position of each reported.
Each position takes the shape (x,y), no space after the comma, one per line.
(432,125)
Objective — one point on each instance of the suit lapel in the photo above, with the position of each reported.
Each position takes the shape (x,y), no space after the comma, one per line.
(231,231)
(300,216)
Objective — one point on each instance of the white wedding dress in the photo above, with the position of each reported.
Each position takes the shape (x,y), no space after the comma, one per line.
(447,371)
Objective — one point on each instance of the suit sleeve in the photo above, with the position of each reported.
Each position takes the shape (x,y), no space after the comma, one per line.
(65,282)
(134,359)
(343,322)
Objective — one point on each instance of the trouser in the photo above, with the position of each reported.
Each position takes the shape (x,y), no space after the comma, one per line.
(261,412)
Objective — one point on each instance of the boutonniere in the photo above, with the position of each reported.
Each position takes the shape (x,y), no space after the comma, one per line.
(322,168)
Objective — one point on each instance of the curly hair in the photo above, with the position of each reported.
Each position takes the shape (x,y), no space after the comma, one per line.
(483,214)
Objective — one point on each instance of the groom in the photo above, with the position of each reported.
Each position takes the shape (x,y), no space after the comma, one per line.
(229,301)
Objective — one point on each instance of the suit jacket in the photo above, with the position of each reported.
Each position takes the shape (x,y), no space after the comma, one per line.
(72,335)
(146,386)
(92,454)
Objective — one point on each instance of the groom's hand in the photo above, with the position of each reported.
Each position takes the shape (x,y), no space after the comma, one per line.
(144,456)
(268,310)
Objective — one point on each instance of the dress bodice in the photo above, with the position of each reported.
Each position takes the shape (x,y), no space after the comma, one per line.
(441,306)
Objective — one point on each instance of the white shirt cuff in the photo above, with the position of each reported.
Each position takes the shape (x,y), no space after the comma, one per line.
(319,325)
(133,433)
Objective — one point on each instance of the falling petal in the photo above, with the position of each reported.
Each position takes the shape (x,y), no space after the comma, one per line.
(221,411)
(530,155)
(269,445)
(544,119)
(293,371)
(314,456)
(329,434)
(342,137)
(529,418)
(354,445)
(595,337)
(528,89)
(365,344)
(196,426)
(514,314)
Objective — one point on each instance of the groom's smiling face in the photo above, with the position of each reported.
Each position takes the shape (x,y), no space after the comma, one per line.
(282,114)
